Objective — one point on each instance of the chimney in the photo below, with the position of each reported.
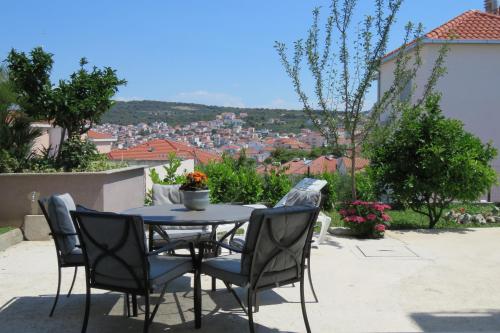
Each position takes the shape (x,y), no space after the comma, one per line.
(491,6)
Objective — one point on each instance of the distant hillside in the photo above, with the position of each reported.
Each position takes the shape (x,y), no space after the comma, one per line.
(135,112)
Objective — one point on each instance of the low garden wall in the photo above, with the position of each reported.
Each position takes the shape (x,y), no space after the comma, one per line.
(112,190)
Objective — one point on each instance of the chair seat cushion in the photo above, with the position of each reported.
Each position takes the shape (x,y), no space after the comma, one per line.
(75,257)
(165,268)
(225,268)
(179,235)
(228,269)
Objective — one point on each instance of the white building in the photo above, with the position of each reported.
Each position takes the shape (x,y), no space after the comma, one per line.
(471,88)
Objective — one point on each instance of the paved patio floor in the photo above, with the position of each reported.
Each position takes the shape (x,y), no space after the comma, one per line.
(407,282)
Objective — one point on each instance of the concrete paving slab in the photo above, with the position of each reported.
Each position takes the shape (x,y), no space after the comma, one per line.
(451,287)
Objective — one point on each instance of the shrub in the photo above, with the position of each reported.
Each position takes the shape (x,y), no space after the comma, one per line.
(171,176)
(16,139)
(233,181)
(276,185)
(366,219)
(329,193)
(7,162)
(77,154)
(430,161)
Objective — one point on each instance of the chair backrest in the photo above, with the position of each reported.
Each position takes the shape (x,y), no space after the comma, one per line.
(298,197)
(57,213)
(114,250)
(166,194)
(276,244)
(305,185)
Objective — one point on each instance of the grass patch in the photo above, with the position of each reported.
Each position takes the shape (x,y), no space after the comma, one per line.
(410,220)
(5,229)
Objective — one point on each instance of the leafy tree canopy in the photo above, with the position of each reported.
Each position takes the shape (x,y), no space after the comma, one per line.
(429,161)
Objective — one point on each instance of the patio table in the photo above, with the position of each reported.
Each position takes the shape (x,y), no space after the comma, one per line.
(178,215)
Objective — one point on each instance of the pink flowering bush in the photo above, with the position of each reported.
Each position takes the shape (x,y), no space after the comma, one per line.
(367,219)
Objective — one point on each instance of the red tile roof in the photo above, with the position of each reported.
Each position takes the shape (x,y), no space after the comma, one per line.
(299,167)
(98,135)
(473,25)
(361,163)
(160,149)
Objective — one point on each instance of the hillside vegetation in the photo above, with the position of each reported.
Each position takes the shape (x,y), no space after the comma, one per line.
(134,112)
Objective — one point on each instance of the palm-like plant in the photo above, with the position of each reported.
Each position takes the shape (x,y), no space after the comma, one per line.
(16,138)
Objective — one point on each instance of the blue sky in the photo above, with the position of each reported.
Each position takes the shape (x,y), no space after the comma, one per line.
(217,52)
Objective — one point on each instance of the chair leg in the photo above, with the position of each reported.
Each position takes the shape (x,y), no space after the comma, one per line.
(256,302)
(87,310)
(214,284)
(73,282)
(58,291)
(146,313)
(303,305)
(310,278)
(153,314)
(134,305)
(250,296)
(197,299)
(127,304)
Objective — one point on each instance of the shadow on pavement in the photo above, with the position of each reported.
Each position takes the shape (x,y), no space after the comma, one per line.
(480,321)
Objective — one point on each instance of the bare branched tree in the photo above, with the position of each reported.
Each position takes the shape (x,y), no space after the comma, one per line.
(345,66)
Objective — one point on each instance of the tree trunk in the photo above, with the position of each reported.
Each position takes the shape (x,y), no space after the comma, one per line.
(353,168)
(61,141)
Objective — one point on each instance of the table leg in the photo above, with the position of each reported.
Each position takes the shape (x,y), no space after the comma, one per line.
(134,305)
(197,287)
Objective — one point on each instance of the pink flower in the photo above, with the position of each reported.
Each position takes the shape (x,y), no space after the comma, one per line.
(357,202)
(379,227)
(371,217)
(351,211)
(386,217)
(378,207)
(343,212)
(360,219)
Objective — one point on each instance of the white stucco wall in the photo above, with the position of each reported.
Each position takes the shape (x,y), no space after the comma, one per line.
(470,89)
(186,166)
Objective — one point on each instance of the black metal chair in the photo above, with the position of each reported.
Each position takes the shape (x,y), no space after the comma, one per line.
(182,235)
(296,197)
(274,254)
(116,259)
(56,210)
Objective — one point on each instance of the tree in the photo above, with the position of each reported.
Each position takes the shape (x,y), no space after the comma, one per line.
(430,161)
(81,101)
(343,73)
(74,105)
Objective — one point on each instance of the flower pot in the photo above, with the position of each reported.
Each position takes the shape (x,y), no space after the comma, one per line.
(195,200)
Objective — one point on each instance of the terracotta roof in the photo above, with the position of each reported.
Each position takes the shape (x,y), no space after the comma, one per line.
(361,163)
(159,149)
(98,135)
(473,25)
(300,167)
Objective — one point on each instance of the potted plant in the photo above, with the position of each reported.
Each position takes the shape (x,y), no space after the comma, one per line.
(366,219)
(195,191)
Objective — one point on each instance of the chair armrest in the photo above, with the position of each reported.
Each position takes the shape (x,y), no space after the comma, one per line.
(223,245)
(63,233)
(257,206)
(169,247)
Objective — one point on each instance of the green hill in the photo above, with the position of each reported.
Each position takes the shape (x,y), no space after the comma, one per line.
(134,112)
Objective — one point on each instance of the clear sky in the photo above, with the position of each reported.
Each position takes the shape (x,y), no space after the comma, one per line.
(217,52)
